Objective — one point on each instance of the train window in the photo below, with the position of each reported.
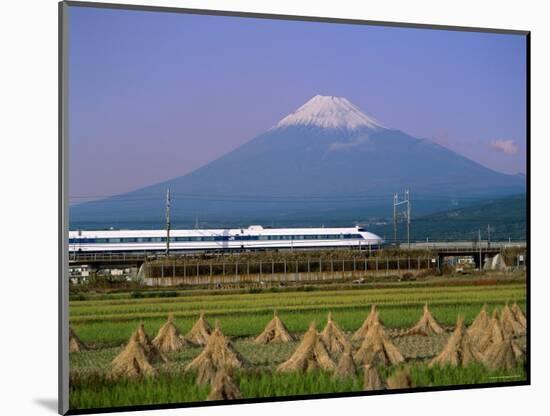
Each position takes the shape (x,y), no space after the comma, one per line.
(114,240)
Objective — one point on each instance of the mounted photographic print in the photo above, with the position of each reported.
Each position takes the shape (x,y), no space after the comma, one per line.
(263,208)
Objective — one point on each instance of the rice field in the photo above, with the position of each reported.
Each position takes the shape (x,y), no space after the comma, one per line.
(106,324)
(110,322)
(98,391)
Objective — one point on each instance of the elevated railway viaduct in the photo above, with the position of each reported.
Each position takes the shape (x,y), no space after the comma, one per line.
(439,251)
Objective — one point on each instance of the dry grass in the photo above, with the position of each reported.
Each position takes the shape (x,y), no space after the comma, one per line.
(401,379)
(427,325)
(224,388)
(503,355)
(135,360)
(377,349)
(75,344)
(509,323)
(275,331)
(169,338)
(518,314)
(333,337)
(218,354)
(492,334)
(346,365)
(310,355)
(372,379)
(459,350)
(200,332)
(372,319)
(480,324)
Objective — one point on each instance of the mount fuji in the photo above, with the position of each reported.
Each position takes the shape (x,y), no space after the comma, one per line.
(326,163)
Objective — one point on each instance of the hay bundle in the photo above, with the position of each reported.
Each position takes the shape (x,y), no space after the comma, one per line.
(218,354)
(224,388)
(427,325)
(75,344)
(372,379)
(493,334)
(134,360)
(518,314)
(333,337)
(200,332)
(509,324)
(169,337)
(504,355)
(401,379)
(206,373)
(346,366)
(377,349)
(310,355)
(369,322)
(275,331)
(480,324)
(153,353)
(459,350)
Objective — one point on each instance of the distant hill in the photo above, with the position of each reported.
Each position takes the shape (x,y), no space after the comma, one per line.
(507,218)
(326,163)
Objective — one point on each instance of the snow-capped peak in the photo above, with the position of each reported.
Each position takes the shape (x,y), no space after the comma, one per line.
(329,112)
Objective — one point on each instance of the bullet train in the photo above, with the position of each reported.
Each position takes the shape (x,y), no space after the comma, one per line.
(254,237)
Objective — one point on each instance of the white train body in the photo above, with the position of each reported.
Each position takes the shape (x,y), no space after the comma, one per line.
(252,238)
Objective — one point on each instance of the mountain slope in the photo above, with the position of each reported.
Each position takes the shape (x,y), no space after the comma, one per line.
(507,218)
(326,161)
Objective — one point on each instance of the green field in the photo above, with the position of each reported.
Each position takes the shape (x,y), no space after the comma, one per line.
(107,322)
(98,391)
(110,322)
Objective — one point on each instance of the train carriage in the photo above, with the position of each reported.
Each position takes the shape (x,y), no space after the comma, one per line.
(254,237)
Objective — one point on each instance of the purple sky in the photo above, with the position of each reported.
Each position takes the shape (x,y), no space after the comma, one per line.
(156,95)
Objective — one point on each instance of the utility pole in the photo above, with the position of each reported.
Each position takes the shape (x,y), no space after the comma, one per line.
(394,218)
(408,218)
(488,236)
(407,214)
(167,222)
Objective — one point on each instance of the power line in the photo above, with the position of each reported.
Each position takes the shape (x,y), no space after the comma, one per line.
(273,198)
